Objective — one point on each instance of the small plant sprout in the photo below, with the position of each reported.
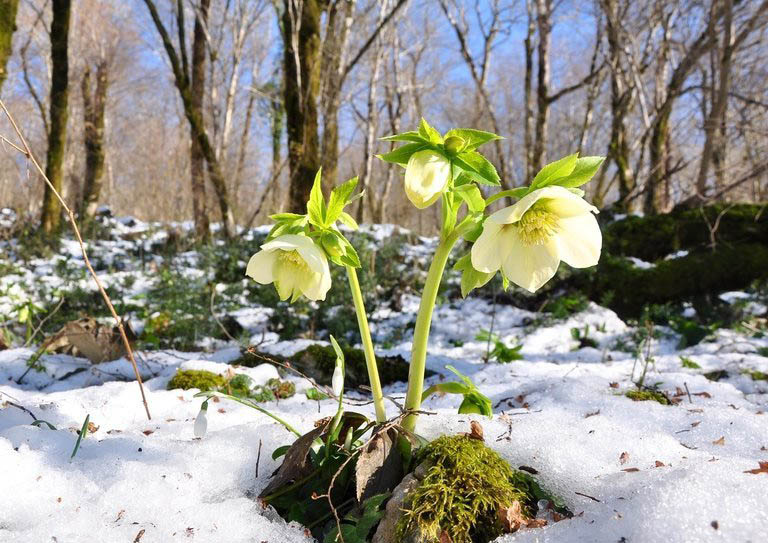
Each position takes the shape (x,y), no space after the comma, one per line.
(201,421)
(526,241)
(80,436)
(474,400)
(337,381)
(296,254)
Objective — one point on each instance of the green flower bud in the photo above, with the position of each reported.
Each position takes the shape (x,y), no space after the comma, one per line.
(453,144)
(332,245)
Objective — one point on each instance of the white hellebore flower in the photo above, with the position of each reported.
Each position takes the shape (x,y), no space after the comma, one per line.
(528,240)
(201,422)
(296,266)
(337,381)
(426,177)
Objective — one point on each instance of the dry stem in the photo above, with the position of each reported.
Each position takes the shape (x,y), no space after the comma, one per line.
(28,153)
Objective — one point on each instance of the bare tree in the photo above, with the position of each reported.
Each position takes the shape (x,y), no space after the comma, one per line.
(8,9)
(94,107)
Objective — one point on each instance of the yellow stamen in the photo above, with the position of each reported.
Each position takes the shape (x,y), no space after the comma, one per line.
(536,226)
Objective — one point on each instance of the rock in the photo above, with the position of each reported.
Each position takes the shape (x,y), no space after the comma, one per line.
(385,533)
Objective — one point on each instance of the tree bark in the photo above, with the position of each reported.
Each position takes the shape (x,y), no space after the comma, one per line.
(51,216)
(94,107)
(301,36)
(8,9)
(527,92)
(544,23)
(199,133)
(197,158)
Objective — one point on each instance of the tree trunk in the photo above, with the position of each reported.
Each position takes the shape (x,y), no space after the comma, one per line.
(544,21)
(371,128)
(8,9)
(94,107)
(301,36)
(196,157)
(527,93)
(50,220)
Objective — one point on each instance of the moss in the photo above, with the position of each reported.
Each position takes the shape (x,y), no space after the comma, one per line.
(462,492)
(281,389)
(645,395)
(716,375)
(200,379)
(756,375)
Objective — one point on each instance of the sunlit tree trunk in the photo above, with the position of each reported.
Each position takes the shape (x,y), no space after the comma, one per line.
(51,217)
(94,107)
(8,9)
(197,158)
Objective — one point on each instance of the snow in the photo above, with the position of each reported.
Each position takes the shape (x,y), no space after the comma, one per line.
(561,411)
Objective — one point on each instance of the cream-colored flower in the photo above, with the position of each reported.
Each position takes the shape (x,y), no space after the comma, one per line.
(426,177)
(201,422)
(296,266)
(337,381)
(528,240)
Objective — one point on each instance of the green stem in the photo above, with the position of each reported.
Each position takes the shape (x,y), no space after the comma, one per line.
(365,336)
(423,323)
(209,393)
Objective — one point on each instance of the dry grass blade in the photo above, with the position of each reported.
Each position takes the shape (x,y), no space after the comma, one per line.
(26,151)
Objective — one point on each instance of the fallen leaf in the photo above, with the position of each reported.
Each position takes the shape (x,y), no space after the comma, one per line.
(720,441)
(695,424)
(592,414)
(630,470)
(92,428)
(762,469)
(379,467)
(702,394)
(148,432)
(512,518)
(476,431)
(139,536)
(623,458)
(660,464)
(222,410)
(714,524)
(614,385)
(296,463)
(445,538)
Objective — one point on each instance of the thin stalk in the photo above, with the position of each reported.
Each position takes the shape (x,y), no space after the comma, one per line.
(423,324)
(365,336)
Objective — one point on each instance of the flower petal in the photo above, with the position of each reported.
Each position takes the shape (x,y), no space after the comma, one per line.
(426,176)
(579,240)
(288,242)
(261,266)
(532,266)
(563,203)
(316,286)
(313,256)
(492,247)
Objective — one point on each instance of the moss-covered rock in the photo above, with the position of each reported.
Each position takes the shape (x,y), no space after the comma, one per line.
(319,361)
(463,488)
(200,379)
(648,395)
(652,238)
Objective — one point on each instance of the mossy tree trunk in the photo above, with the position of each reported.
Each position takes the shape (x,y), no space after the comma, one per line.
(180,68)
(94,108)
(50,221)
(301,37)
(8,9)
(197,158)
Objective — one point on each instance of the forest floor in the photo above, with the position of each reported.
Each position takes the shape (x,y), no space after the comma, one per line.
(631,471)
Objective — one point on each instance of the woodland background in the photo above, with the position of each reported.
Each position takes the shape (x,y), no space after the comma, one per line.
(224,109)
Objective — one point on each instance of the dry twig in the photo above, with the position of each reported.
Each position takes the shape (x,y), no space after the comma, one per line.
(26,151)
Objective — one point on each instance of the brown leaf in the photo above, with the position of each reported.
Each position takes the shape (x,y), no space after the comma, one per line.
(92,428)
(445,538)
(476,431)
(762,469)
(592,414)
(148,432)
(720,441)
(630,470)
(379,467)
(702,394)
(660,464)
(614,385)
(623,458)
(695,424)
(512,518)
(296,463)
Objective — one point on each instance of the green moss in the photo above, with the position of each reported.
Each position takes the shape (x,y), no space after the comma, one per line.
(281,389)
(462,492)
(716,375)
(200,379)
(756,375)
(645,395)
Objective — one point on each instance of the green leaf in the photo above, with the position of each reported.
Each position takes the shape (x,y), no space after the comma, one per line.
(402,154)
(429,133)
(474,162)
(472,138)
(446,388)
(549,173)
(472,196)
(585,168)
(449,210)
(315,394)
(470,277)
(348,221)
(316,205)
(411,136)
(339,197)
(280,451)
(280,217)
(81,436)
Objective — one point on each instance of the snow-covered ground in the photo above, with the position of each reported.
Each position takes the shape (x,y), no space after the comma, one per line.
(631,471)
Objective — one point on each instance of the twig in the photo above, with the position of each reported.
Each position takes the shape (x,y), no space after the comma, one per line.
(688,392)
(258,459)
(587,496)
(28,153)
(213,314)
(42,322)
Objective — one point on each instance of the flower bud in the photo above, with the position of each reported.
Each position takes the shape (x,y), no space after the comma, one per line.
(337,381)
(332,245)
(426,177)
(201,422)
(453,144)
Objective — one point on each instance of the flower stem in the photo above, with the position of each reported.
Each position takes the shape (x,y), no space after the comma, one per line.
(365,336)
(423,323)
